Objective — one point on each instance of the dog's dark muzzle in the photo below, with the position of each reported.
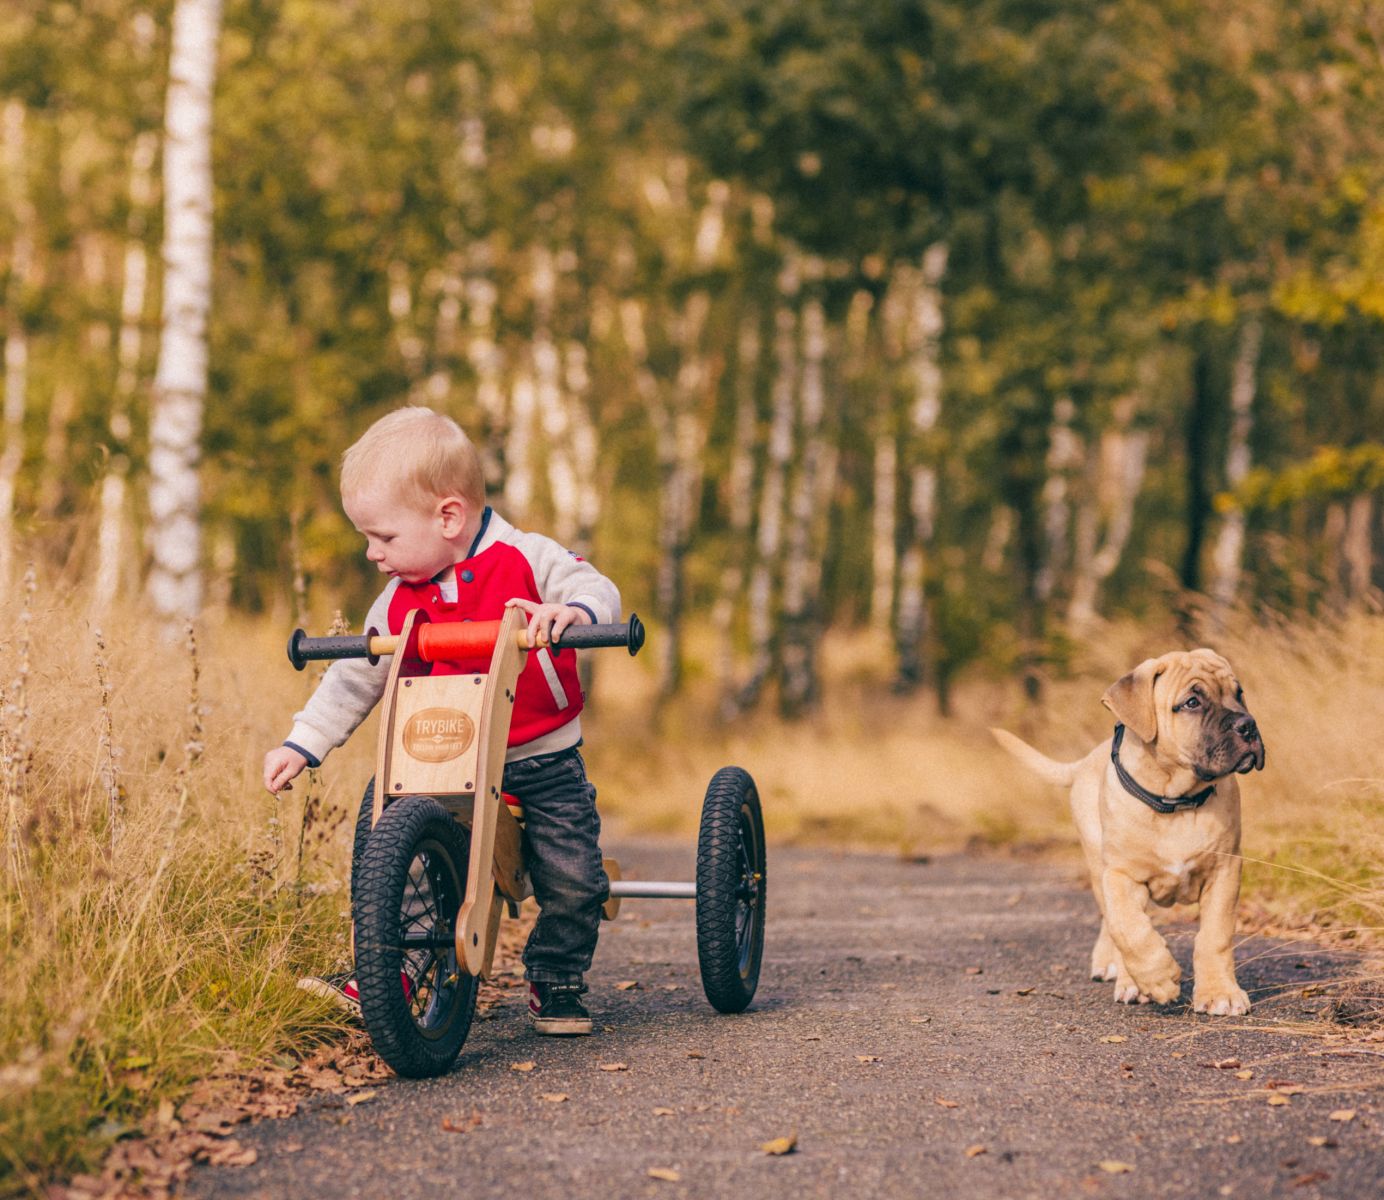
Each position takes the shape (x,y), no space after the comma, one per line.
(1252,759)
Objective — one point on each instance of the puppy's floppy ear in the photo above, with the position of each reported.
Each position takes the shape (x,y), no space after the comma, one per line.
(1130,698)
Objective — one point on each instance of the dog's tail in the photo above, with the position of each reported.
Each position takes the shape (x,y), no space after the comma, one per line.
(1045,768)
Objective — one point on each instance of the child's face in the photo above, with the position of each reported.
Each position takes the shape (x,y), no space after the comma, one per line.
(414,541)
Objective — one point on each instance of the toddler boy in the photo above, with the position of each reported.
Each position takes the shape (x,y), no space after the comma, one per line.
(412,485)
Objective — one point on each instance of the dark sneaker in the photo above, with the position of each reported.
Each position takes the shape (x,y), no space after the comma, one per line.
(341,989)
(556,1009)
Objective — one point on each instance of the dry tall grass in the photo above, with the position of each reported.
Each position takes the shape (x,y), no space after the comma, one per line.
(158,906)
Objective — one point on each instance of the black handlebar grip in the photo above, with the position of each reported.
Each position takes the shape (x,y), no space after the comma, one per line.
(303,649)
(580,637)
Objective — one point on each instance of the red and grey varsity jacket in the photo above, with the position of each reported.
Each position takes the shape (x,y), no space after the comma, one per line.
(501,564)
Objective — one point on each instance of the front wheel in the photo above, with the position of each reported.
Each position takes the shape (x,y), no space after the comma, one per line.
(416,999)
(731,877)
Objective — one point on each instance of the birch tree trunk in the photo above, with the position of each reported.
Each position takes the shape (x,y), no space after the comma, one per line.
(1228,553)
(679,434)
(884,491)
(769,531)
(924,345)
(112,540)
(1357,547)
(740,506)
(519,469)
(1064,454)
(798,688)
(16,336)
(1115,476)
(180,382)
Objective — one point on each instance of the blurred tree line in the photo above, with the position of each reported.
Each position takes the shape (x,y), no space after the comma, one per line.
(953,318)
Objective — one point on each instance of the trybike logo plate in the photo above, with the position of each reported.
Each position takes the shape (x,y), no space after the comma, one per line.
(437,735)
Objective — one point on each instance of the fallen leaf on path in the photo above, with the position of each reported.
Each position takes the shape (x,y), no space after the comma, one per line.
(462,1124)
(1278,1099)
(1322,1141)
(974,1151)
(920,1020)
(947,1103)
(1311,1177)
(783,1145)
(1343,1114)
(613,1066)
(1244,1074)
(1224,1064)
(663,1112)
(626,985)
(361,1097)
(1113,1166)
(699,1054)
(554,1097)
(1114,1037)
(1179,1054)
(523,1066)
(867,1058)
(1028,991)
(667,1174)
(975,970)
(290,1147)
(229,1154)
(1233,1139)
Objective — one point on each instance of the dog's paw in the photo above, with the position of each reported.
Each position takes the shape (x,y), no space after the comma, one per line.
(1221,1002)
(1165,991)
(1104,974)
(1128,993)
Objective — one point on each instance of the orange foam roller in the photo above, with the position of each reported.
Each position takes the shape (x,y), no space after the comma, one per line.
(443,642)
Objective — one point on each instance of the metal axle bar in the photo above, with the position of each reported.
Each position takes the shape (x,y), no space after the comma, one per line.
(652,890)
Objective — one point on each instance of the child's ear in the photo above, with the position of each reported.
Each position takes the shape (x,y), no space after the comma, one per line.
(452,513)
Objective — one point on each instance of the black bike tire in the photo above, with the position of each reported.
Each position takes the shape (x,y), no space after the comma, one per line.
(730,864)
(362,834)
(409,828)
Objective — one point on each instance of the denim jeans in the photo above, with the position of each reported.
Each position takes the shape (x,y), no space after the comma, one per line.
(562,834)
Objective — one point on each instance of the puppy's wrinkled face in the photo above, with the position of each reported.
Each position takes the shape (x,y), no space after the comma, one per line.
(1201,709)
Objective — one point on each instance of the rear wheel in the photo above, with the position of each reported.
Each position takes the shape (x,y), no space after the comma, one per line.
(416,999)
(731,880)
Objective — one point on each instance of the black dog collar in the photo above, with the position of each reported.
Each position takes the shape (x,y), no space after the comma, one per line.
(1159,804)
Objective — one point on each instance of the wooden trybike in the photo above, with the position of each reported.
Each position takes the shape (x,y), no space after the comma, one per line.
(439,855)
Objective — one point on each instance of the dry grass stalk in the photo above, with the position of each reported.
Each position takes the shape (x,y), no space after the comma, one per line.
(16,750)
(107,753)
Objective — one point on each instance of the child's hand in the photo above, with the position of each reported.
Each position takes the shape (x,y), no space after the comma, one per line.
(547,621)
(280,765)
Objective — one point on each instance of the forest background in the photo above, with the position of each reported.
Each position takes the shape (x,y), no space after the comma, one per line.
(911,366)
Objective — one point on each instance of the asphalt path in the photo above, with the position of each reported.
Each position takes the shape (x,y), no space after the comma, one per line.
(921,1029)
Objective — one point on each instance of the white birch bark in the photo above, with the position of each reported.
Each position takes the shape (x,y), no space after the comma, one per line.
(1228,553)
(924,349)
(763,611)
(553,406)
(407,341)
(585,446)
(487,362)
(1105,518)
(180,381)
(112,539)
(740,505)
(519,468)
(802,558)
(680,431)
(1065,453)
(16,337)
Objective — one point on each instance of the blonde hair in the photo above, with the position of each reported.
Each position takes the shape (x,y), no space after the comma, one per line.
(422,454)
